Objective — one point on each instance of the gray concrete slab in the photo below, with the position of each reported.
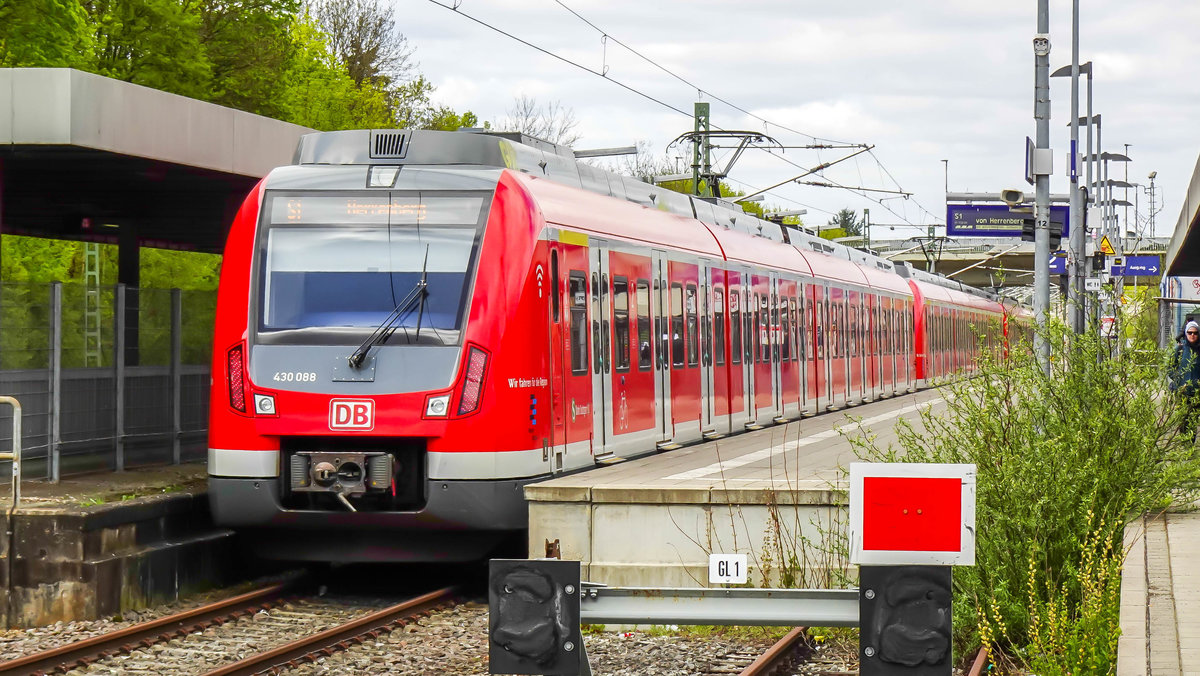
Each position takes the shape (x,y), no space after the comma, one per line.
(1160,582)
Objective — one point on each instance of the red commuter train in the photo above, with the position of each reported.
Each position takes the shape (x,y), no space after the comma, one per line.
(413,325)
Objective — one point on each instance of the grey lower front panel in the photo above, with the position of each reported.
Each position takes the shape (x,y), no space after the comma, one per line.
(461,521)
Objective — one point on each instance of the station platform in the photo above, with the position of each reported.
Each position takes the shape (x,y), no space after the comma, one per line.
(1160,618)
(773,494)
(96,545)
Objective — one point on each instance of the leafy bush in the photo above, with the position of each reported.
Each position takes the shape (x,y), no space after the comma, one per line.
(1063,459)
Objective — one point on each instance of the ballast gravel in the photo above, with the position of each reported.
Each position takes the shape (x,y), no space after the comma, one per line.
(453,642)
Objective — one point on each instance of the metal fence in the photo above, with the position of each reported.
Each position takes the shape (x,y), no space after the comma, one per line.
(108,377)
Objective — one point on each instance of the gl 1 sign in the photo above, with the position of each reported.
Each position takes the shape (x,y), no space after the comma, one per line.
(727,568)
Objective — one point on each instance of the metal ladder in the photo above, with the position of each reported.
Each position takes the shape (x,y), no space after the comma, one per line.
(91,304)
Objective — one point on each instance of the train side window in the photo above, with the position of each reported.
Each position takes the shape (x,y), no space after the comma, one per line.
(677,340)
(853,350)
(749,326)
(693,332)
(605,331)
(762,342)
(577,283)
(554,284)
(620,324)
(785,336)
(735,324)
(719,326)
(595,323)
(819,328)
(645,357)
(845,334)
(773,333)
(797,331)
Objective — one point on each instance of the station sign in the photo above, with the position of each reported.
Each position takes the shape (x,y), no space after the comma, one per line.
(1139,266)
(995,220)
(912,514)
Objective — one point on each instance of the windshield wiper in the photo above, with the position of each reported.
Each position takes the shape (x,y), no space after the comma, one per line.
(388,327)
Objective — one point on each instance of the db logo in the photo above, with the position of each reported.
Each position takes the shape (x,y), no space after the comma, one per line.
(351,414)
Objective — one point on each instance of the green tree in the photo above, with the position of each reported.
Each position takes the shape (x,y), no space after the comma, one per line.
(847,220)
(155,43)
(249,45)
(44,34)
(318,93)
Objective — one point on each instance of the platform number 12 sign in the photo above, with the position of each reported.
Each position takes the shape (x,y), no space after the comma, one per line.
(727,569)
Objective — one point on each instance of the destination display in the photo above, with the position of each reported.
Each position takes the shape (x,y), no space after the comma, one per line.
(376,208)
(994,220)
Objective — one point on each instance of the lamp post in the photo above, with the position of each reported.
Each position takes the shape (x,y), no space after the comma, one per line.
(1041,202)
(1077,243)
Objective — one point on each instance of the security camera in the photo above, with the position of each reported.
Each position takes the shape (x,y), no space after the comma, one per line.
(1012,197)
(1041,44)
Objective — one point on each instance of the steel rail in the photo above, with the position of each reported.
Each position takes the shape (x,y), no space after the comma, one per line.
(144,634)
(338,638)
(780,655)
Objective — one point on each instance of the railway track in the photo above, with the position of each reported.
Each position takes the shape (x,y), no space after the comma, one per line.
(245,634)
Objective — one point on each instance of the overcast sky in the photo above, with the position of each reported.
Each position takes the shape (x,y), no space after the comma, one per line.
(922,81)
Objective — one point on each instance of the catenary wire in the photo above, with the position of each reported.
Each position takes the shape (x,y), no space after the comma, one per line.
(697,87)
(631,89)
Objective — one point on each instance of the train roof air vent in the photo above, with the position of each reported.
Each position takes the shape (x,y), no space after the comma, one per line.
(388,145)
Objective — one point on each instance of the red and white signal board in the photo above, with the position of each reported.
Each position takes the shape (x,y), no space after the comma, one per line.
(912,514)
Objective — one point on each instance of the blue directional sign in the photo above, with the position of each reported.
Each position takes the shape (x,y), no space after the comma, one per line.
(1140,266)
(1058,265)
(994,220)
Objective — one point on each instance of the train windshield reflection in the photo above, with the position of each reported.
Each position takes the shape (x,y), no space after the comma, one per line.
(345,261)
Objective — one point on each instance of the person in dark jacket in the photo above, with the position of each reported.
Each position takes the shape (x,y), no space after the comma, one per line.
(1185,377)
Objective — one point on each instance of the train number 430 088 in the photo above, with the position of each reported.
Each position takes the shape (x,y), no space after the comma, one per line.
(295,377)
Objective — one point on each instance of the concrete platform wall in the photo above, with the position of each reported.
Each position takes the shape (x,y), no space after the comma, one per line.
(75,563)
(663,537)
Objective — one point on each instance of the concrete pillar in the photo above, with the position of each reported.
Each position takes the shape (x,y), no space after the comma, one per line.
(128,273)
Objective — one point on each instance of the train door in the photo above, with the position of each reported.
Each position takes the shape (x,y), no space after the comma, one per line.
(909,338)
(884,344)
(877,349)
(571,401)
(835,352)
(776,353)
(660,295)
(721,400)
(683,295)
(764,396)
(558,349)
(789,363)
(705,314)
(902,359)
(601,351)
(854,348)
(808,357)
(739,340)
(819,371)
(631,380)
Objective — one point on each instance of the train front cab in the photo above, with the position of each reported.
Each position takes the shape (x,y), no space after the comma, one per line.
(422,452)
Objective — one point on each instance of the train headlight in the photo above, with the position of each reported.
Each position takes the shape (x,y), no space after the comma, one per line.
(437,407)
(382,177)
(264,404)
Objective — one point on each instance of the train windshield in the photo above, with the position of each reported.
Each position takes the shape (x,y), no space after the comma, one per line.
(337,265)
